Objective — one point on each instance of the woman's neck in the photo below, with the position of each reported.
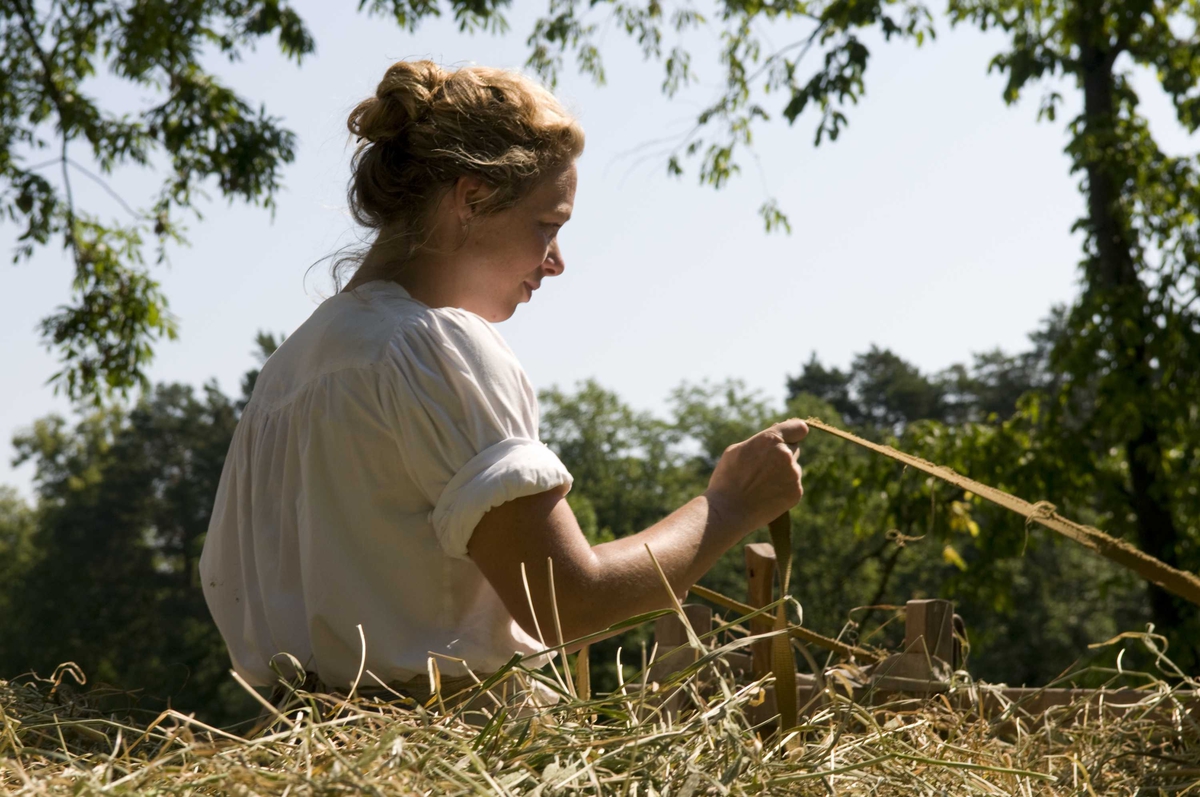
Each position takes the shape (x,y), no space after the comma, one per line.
(436,284)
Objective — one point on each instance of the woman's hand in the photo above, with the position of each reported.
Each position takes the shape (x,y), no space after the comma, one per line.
(757,480)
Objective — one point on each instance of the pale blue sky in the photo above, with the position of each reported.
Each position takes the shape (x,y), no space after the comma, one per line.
(938,226)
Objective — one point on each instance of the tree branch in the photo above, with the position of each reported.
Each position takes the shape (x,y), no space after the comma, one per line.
(28,17)
(109,190)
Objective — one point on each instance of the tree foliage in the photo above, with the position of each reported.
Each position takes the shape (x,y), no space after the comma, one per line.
(998,421)
(200,132)
(1130,355)
(193,129)
(881,391)
(753,70)
(108,578)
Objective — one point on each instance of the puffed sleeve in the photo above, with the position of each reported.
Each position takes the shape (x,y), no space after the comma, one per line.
(466,421)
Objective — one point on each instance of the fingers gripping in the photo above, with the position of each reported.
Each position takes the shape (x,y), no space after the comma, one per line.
(792,431)
(788,433)
(784,440)
(760,477)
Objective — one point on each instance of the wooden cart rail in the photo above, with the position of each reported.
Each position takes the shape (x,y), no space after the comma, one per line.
(922,668)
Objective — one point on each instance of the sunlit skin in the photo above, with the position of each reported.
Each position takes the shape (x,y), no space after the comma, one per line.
(489,264)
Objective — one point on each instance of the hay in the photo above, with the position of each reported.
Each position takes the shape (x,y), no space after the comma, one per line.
(626,743)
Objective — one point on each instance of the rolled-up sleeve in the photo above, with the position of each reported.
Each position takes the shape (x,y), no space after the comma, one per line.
(510,469)
(467,423)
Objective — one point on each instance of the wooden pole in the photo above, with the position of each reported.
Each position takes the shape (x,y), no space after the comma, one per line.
(1185,585)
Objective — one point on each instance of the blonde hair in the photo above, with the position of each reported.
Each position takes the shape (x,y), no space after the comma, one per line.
(427,126)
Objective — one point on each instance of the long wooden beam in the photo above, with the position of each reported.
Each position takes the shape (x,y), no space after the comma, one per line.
(1185,585)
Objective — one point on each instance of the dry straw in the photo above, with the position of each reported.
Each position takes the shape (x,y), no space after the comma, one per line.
(625,743)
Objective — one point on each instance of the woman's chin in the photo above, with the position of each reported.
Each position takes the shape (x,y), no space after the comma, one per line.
(502,310)
(502,313)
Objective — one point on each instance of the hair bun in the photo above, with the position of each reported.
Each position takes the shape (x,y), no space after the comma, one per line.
(402,99)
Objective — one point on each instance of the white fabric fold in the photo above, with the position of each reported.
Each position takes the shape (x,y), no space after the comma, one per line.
(513,468)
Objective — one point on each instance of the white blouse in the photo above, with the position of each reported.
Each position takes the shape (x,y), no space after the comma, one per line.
(376,438)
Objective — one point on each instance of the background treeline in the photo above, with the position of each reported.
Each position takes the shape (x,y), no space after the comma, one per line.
(102,569)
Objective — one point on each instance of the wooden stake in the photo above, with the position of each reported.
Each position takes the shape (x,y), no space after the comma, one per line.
(760,580)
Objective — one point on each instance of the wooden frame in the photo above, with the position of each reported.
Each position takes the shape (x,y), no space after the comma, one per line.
(932,652)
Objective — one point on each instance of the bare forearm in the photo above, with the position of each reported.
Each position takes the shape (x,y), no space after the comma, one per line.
(596,587)
(620,580)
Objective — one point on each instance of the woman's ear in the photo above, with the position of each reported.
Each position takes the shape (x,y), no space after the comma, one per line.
(468,192)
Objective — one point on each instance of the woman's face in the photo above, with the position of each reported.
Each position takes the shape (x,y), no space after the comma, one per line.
(512,251)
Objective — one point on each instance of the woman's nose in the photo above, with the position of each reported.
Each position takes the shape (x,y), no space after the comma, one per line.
(554,264)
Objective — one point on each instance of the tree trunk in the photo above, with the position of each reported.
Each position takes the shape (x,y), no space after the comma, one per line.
(1113,283)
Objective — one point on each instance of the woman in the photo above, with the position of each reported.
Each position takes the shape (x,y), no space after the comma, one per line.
(387,472)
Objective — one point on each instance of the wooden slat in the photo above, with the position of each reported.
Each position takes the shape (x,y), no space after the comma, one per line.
(670,636)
